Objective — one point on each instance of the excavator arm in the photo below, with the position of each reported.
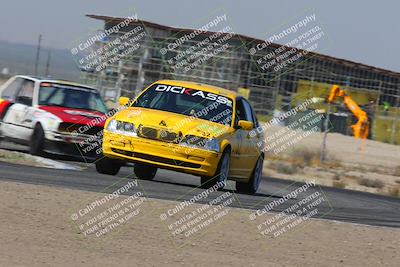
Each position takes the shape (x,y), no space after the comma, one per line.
(361,127)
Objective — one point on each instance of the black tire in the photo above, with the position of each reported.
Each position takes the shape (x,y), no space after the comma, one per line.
(1,134)
(144,172)
(37,141)
(108,166)
(250,187)
(221,175)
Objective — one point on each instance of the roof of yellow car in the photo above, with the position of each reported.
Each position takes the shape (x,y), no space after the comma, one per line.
(201,86)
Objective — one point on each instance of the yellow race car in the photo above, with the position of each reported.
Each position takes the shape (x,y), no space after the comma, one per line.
(186,127)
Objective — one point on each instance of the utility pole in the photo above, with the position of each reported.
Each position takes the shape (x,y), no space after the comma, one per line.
(48,62)
(325,136)
(37,54)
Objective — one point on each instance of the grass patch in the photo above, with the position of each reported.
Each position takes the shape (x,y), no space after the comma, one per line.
(396,171)
(285,168)
(337,176)
(371,183)
(394,191)
(305,157)
(339,184)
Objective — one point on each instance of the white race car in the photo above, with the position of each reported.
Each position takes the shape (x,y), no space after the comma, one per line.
(53,116)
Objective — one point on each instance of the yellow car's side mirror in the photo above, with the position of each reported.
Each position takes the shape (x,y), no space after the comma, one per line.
(123,101)
(245,125)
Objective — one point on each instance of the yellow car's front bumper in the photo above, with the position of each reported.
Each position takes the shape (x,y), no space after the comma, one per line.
(160,154)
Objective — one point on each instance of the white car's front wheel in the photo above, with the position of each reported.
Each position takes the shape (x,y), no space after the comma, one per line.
(37,141)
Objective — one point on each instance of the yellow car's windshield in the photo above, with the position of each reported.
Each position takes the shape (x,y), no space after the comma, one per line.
(186,101)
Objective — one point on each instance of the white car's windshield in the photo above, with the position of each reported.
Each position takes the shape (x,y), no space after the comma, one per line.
(51,94)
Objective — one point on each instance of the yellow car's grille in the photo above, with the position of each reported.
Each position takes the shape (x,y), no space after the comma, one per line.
(158,134)
(168,136)
(148,132)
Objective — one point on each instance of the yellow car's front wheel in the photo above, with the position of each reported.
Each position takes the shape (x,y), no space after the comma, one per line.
(144,172)
(221,176)
(108,166)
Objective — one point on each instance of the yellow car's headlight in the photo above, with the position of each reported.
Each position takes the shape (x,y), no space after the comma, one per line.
(201,143)
(112,126)
(121,127)
(212,145)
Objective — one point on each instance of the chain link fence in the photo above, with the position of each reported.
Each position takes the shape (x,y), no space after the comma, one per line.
(268,90)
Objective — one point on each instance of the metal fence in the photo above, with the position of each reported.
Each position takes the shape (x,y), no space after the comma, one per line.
(235,68)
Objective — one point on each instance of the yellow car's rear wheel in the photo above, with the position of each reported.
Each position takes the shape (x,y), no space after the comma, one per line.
(251,186)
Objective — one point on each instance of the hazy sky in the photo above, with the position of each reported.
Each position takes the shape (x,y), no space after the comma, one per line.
(362,31)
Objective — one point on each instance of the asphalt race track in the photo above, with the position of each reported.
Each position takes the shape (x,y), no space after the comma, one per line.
(341,205)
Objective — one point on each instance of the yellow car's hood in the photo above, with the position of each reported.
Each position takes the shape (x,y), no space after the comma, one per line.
(172,122)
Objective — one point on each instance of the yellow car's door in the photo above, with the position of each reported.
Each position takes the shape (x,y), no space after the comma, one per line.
(250,151)
(238,143)
(254,138)
(244,152)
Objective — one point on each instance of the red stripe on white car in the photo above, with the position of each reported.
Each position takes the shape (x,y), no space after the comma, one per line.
(78,116)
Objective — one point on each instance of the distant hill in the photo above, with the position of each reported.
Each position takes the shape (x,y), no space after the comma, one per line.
(20,59)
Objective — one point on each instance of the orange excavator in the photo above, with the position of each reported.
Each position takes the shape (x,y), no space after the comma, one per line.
(361,127)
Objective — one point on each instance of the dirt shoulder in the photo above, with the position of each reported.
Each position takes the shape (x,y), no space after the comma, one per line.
(29,160)
(362,165)
(37,230)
